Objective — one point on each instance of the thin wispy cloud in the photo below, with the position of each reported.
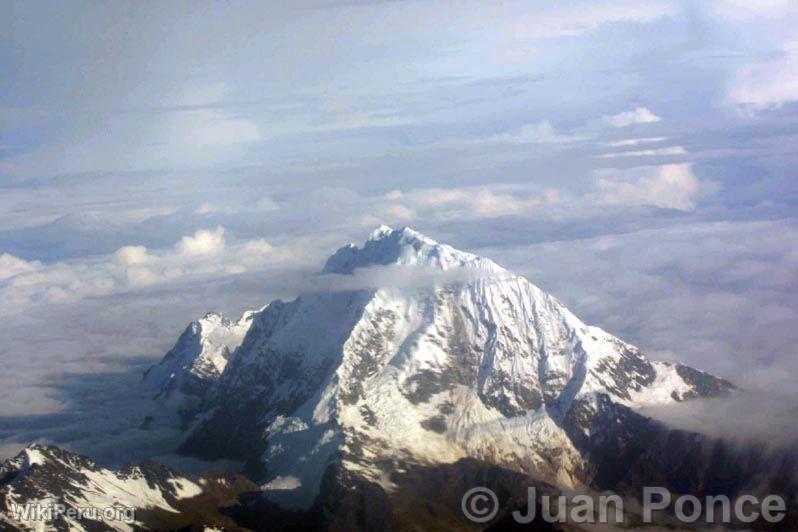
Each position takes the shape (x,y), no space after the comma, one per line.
(669,150)
(634,142)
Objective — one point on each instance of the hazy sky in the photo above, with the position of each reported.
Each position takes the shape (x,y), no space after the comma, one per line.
(162,159)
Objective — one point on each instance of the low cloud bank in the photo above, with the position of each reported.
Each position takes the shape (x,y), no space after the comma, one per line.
(398,276)
(204,253)
(744,417)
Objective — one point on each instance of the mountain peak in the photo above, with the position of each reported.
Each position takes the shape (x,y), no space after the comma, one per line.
(381,232)
(490,368)
(404,246)
(385,232)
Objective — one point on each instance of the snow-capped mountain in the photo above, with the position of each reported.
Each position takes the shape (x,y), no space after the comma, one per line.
(47,488)
(420,354)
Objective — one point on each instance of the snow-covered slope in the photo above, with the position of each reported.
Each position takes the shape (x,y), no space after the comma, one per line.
(201,353)
(476,362)
(47,488)
(197,360)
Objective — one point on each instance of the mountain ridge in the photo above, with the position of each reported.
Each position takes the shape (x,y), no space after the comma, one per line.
(146,495)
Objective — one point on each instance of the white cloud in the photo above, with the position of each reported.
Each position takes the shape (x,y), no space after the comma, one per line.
(638,115)
(206,252)
(768,83)
(11,266)
(752,415)
(671,186)
(204,242)
(132,255)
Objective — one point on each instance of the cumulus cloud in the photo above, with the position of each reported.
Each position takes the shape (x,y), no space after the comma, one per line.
(638,115)
(204,242)
(206,252)
(128,255)
(671,186)
(11,266)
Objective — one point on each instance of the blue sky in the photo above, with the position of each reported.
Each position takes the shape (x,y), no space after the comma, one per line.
(160,160)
